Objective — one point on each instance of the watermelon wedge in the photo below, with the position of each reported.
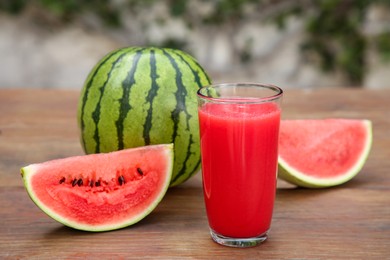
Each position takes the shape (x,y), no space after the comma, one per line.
(101,192)
(323,153)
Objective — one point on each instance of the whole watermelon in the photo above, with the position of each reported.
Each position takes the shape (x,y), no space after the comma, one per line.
(138,96)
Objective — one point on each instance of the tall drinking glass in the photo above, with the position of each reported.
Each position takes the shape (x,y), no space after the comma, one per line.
(239,129)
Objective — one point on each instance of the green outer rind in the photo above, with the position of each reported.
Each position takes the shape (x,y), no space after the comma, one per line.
(29,171)
(161,86)
(294,176)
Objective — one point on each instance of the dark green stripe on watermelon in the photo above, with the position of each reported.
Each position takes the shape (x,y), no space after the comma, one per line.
(180,95)
(142,96)
(186,59)
(150,97)
(97,111)
(85,92)
(124,100)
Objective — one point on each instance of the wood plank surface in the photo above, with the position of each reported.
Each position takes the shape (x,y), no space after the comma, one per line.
(351,221)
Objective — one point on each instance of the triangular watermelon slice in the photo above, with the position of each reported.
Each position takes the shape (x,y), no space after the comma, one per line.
(323,153)
(101,192)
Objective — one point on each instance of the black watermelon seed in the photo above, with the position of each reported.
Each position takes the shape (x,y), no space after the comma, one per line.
(97,184)
(80,182)
(74,182)
(62,180)
(140,171)
(90,183)
(121,180)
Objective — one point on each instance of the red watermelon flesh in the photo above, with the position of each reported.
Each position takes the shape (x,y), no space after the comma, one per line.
(323,153)
(100,192)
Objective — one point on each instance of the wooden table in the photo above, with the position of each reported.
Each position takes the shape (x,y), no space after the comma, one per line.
(351,221)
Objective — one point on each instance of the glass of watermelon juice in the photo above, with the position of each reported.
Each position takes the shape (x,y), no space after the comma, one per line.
(239,129)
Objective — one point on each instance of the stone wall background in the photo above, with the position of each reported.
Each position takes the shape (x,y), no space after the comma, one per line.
(60,56)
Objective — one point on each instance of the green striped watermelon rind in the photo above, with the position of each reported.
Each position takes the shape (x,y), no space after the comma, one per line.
(138,124)
(294,176)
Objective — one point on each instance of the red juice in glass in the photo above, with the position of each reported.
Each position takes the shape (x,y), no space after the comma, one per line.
(239,146)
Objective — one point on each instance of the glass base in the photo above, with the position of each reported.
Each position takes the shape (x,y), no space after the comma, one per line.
(238,242)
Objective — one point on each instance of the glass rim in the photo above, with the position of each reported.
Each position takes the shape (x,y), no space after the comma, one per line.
(242,100)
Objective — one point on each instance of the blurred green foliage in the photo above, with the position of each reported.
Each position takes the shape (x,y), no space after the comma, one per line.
(335,37)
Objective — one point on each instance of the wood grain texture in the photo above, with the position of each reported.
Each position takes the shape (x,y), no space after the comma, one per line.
(351,221)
